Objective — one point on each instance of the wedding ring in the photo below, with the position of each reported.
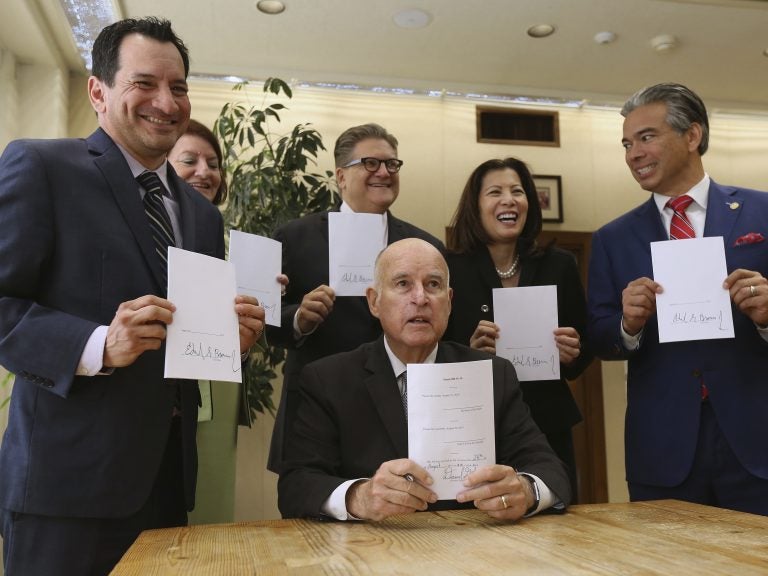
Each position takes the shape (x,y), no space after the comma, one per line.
(504,501)
(752,290)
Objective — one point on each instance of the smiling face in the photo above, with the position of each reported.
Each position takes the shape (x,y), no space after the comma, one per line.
(147,108)
(411,298)
(503,206)
(372,192)
(196,162)
(661,159)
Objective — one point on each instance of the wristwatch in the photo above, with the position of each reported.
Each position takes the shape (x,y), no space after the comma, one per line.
(536,495)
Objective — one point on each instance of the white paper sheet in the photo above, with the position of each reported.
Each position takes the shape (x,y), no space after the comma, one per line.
(258,262)
(527,318)
(203,341)
(694,304)
(450,421)
(354,241)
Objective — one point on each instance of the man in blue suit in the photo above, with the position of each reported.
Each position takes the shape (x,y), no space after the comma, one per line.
(696,411)
(99,446)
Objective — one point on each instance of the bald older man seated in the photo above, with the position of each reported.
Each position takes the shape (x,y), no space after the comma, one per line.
(347,454)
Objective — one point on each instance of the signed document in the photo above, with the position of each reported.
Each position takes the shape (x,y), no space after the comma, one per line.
(450,421)
(258,261)
(694,304)
(203,341)
(527,318)
(354,241)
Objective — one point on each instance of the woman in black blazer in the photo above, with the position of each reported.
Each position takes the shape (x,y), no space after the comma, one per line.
(493,245)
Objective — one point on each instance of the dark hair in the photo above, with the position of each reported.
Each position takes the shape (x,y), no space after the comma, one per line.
(195,128)
(468,233)
(106,49)
(345,144)
(684,108)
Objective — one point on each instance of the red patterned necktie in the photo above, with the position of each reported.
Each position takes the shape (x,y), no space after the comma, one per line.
(680,228)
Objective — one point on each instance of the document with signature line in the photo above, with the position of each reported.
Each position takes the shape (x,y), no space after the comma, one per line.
(258,261)
(527,319)
(694,305)
(354,241)
(203,341)
(450,421)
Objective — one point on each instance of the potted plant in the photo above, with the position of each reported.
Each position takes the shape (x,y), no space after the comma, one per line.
(270,183)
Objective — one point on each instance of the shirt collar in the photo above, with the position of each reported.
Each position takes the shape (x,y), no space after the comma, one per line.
(699,193)
(137,168)
(398,367)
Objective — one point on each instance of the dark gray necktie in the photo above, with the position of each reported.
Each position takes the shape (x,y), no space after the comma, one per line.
(159,221)
(402,383)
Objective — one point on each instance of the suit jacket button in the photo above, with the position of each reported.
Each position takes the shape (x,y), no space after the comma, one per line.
(484,308)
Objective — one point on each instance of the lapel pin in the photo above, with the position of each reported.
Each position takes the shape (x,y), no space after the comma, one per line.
(733,205)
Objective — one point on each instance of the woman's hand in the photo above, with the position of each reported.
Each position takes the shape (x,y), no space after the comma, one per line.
(485,336)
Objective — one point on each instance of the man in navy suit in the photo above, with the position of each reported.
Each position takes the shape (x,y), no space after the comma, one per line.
(696,411)
(314,322)
(99,446)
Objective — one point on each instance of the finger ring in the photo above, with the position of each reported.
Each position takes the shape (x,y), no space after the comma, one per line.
(752,290)
(504,501)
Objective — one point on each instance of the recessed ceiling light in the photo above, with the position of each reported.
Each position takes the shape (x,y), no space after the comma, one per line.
(270,6)
(663,42)
(604,37)
(541,30)
(412,18)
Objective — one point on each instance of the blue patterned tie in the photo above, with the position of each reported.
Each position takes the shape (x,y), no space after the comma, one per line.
(159,221)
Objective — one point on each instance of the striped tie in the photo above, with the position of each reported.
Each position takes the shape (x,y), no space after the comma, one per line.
(402,383)
(159,221)
(680,227)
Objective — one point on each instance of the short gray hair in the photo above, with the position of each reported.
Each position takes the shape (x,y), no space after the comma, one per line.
(684,108)
(345,144)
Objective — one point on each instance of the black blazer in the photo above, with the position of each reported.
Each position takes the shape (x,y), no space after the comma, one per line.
(350,420)
(473,277)
(305,261)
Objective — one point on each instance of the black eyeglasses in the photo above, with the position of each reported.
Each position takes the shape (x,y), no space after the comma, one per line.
(372,164)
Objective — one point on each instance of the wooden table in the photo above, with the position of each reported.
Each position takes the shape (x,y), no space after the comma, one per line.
(661,537)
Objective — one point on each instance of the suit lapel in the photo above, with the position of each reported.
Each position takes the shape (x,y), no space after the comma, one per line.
(650,227)
(111,162)
(724,206)
(382,387)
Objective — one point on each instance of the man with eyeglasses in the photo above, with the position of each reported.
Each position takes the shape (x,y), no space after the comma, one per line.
(315,323)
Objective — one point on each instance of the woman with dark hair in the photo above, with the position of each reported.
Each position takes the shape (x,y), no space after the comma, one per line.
(197,158)
(493,244)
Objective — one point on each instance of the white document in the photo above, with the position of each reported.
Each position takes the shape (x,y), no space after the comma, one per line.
(354,241)
(527,318)
(258,262)
(203,341)
(694,304)
(450,421)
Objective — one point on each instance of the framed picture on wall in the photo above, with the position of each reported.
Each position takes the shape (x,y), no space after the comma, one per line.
(550,191)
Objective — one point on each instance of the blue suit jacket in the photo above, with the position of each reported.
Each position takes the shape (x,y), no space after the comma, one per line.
(663,384)
(75,243)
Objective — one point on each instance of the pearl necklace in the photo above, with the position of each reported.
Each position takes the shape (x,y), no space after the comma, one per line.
(512,270)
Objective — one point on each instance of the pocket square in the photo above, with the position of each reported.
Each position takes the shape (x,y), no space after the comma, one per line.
(751,238)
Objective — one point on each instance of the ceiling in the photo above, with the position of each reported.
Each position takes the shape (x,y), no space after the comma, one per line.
(474,46)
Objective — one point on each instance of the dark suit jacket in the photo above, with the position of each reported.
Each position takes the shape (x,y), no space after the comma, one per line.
(351,420)
(305,261)
(76,243)
(473,277)
(664,380)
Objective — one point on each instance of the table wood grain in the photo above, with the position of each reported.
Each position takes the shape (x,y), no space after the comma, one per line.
(660,537)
